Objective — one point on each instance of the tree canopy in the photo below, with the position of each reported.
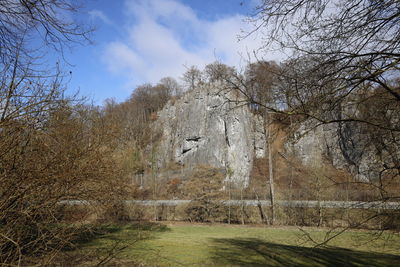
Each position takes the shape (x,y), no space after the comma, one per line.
(338,49)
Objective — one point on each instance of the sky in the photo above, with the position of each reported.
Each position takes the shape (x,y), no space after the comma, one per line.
(142,41)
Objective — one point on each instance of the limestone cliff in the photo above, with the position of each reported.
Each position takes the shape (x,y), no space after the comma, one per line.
(214,127)
(364,152)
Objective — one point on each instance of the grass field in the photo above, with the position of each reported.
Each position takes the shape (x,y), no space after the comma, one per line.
(224,245)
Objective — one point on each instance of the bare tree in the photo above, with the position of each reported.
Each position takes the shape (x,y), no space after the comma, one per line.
(343,70)
(218,71)
(192,78)
(340,48)
(52,148)
(47,21)
(172,85)
(260,80)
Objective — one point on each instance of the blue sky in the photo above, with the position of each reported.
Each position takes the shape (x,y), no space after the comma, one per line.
(139,41)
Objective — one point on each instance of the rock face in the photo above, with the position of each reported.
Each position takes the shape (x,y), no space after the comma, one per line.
(346,145)
(212,126)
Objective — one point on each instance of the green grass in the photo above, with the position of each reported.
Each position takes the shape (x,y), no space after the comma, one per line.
(221,245)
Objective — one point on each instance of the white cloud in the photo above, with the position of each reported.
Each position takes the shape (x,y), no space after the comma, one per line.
(224,38)
(95,13)
(167,9)
(164,36)
(120,58)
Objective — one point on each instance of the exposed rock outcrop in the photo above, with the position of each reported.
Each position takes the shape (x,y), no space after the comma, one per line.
(351,146)
(212,126)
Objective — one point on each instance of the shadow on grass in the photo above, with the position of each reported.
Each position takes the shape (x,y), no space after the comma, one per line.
(137,231)
(148,226)
(256,252)
(99,245)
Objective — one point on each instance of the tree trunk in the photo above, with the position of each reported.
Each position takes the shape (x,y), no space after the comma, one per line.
(271,173)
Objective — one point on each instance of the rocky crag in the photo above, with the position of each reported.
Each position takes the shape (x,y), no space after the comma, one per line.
(214,126)
(347,146)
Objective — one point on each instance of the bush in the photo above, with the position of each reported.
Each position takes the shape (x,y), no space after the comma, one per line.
(115,212)
(204,211)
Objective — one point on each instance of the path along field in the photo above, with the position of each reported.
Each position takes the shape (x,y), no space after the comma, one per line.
(227,245)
